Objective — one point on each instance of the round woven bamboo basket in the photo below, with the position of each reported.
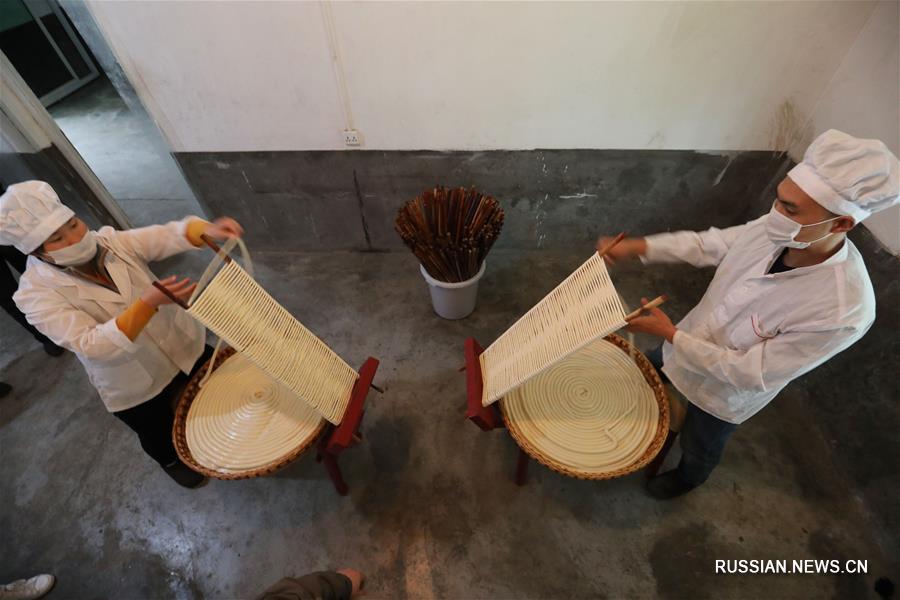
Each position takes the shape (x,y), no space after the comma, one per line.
(179,431)
(651,379)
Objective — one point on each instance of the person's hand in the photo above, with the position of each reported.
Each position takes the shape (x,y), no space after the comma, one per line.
(625,249)
(357,579)
(224,228)
(653,321)
(180,289)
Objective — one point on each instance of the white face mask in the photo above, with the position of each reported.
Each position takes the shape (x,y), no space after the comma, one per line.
(782,230)
(76,254)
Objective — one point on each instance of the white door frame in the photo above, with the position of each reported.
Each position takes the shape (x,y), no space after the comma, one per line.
(40,8)
(28,115)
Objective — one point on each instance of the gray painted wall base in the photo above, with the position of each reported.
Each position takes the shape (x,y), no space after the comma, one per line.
(552,198)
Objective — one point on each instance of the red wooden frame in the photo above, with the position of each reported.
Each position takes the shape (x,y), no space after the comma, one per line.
(486,417)
(346,434)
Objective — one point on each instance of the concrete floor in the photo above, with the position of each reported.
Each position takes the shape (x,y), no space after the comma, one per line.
(126,151)
(433,511)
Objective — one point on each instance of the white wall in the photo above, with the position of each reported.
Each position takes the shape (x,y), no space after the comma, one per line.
(863,99)
(222,76)
(244,76)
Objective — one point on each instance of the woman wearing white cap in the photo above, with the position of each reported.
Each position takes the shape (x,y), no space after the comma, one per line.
(790,291)
(92,293)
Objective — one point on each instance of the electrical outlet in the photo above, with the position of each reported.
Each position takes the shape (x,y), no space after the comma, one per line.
(351,137)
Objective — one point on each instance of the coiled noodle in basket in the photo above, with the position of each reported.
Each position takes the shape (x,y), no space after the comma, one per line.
(242,420)
(598,413)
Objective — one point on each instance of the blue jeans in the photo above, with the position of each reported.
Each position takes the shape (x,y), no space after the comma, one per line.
(703,436)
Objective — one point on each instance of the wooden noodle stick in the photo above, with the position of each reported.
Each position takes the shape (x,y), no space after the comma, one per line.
(214,246)
(450,230)
(652,304)
(170,295)
(609,246)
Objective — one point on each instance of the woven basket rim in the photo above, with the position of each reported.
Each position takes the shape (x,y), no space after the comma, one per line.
(179,431)
(662,426)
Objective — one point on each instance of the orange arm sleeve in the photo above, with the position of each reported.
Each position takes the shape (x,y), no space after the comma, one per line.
(135,318)
(196,228)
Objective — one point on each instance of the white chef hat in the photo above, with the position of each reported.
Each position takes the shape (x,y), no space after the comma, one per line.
(849,176)
(29,214)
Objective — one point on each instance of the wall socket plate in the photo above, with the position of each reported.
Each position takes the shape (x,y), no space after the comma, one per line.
(351,137)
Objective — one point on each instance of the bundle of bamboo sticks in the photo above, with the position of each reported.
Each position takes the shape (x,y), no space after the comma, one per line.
(450,230)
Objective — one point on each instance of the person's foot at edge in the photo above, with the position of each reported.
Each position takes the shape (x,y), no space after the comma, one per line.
(668,485)
(27,589)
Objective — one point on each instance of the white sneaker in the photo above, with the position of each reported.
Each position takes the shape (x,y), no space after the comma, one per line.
(27,589)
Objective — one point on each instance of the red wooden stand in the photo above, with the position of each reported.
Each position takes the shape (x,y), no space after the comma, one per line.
(486,417)
(346,434)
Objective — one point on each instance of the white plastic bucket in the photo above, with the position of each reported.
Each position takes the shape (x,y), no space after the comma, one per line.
(453,300)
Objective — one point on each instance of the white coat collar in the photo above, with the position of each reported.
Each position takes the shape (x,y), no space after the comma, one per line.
(838,257)
(67,283)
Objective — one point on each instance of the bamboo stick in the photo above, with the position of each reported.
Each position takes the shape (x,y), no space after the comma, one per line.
(609,246)
(170,295)
(450,230)
(652,304)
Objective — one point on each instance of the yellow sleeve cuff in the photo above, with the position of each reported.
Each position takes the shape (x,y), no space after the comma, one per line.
(135,318)
(195,229)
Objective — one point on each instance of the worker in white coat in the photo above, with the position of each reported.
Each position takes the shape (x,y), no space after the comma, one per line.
(790,291)
(91,292)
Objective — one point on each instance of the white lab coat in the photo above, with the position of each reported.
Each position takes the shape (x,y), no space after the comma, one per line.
(752,333)
(80,316)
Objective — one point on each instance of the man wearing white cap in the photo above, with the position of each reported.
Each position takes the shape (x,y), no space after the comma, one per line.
(790,291)
(92,293)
